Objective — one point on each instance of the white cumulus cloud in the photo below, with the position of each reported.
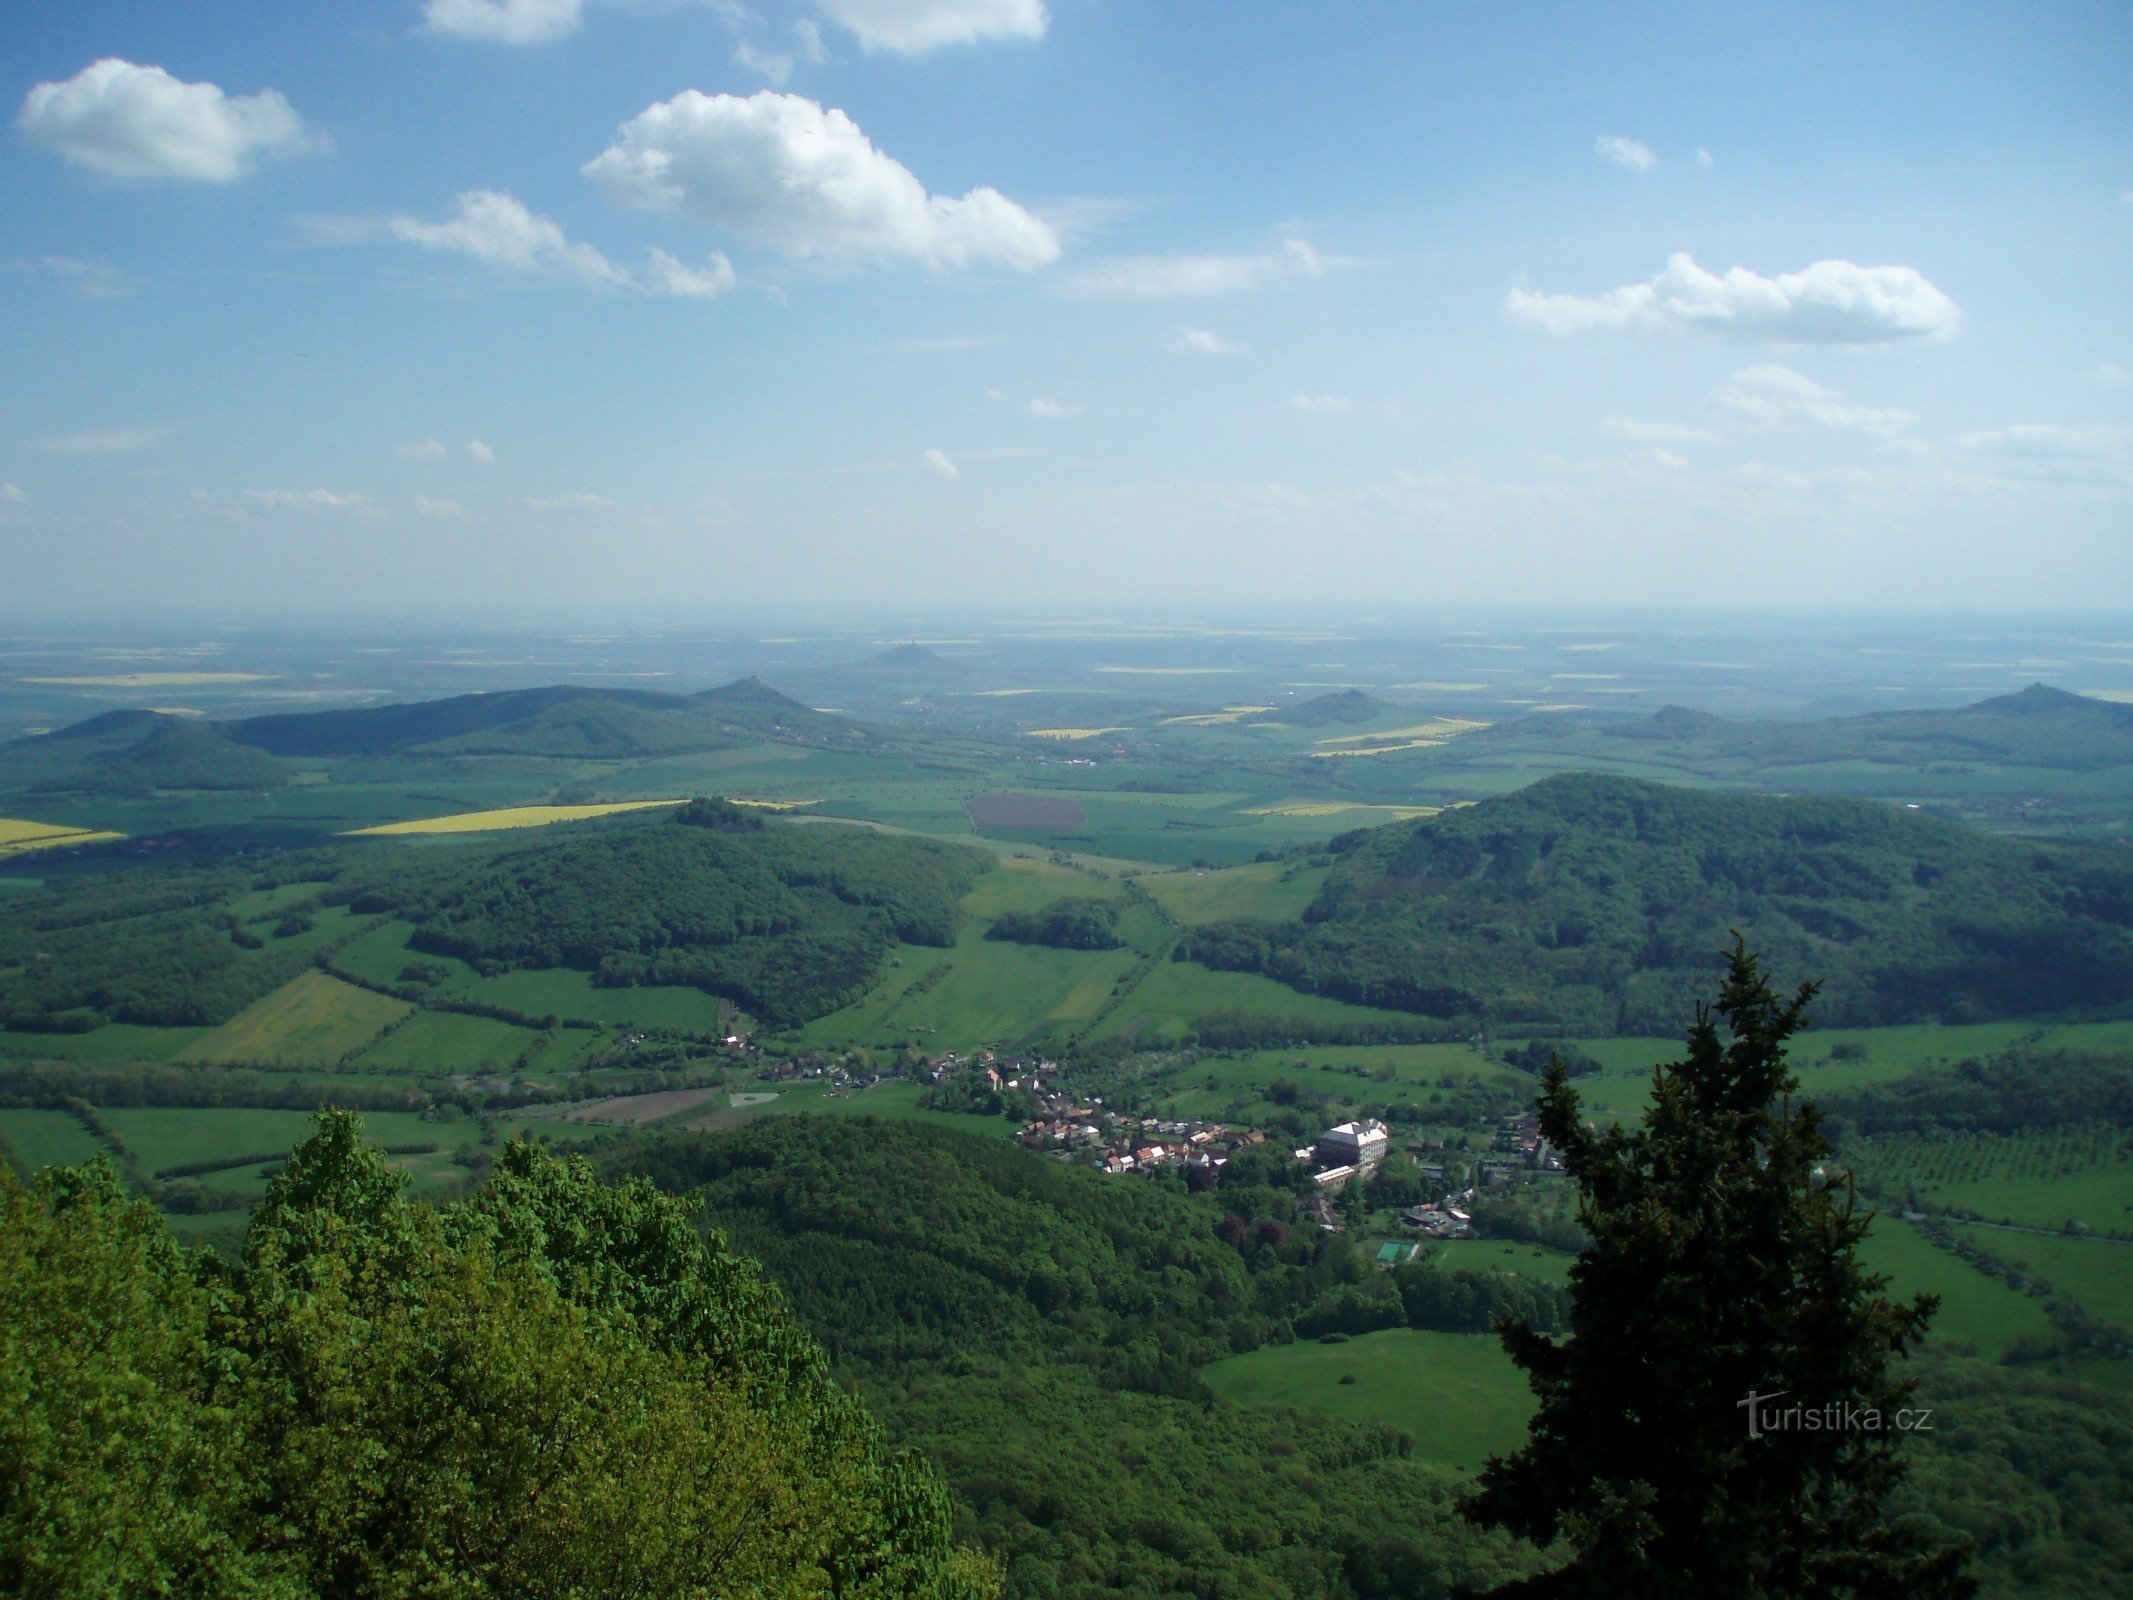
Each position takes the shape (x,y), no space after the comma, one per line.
(129,121)
(11,494)
(707,282)
(1041,407)
(1321,402)
(423,450)
(2113,374)
(579,501)
(1773,398)
(939,462)
(427,507)
(1200,342)
(910,27)
(1830,302)
(492,226)
(785,172)
(1633,155)
(480,454)
(1158,277)
(504,21)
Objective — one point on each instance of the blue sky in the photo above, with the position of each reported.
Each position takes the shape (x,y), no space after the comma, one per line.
(483,304)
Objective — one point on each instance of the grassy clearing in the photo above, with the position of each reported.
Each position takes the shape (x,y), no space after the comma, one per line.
(2096,1272)
(560,991)
(1277,890)
(635,1110)
(890,1098)
(1241,1085)
(311,1020)
(114,1042)
(1179,993)
(1500,1255)
(34,1140)
(1456,1393)
(440,1042)
(1974,1308)
(979,993)
(505,817)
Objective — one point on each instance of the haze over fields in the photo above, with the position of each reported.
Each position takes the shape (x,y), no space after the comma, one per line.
(480,304)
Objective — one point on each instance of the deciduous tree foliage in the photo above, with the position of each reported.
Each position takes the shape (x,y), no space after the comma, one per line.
(556,1389)
(1723,1264)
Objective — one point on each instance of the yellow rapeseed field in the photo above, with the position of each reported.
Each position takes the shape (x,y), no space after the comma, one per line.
(506,817)
(18,837)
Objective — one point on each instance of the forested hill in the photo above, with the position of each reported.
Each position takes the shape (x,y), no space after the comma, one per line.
(564,720)
(789,921)
(1347,705)
(133,753)
(1599,904)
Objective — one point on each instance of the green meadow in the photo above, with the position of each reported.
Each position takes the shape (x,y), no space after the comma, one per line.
(1974,1309)
(38,1139)
(1456,1393)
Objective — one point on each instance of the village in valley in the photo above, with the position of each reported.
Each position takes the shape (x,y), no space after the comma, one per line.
(1119,1140)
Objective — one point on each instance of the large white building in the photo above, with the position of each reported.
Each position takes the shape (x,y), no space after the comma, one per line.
(1354,1144)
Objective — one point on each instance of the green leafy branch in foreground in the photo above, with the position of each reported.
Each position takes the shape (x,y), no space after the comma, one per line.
(555,1388)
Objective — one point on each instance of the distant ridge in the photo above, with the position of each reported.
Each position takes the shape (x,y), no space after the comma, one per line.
(561,720)
(915,660)
(2036,726)
(1342,706)
(134,752)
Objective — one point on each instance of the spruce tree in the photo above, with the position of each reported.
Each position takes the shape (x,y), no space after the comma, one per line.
(1722,1278)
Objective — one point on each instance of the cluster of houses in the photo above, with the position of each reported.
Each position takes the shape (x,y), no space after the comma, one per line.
(1518,1151)
(1120,1143)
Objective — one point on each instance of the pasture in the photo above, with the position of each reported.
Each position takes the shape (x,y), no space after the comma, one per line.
(980,993)
(1974,1309)
(563,992)
(2098,1273)
(438,1043)
(1179,993)
(503,818)
(1277,890)
(1456,1393)
(1502,1255)
(312,1020)
(34,1140)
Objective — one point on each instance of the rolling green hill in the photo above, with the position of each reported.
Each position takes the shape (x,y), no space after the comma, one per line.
(563,721)
(789,921)
(2039,726)
(134,753)
(1599,904)
(1345,706)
